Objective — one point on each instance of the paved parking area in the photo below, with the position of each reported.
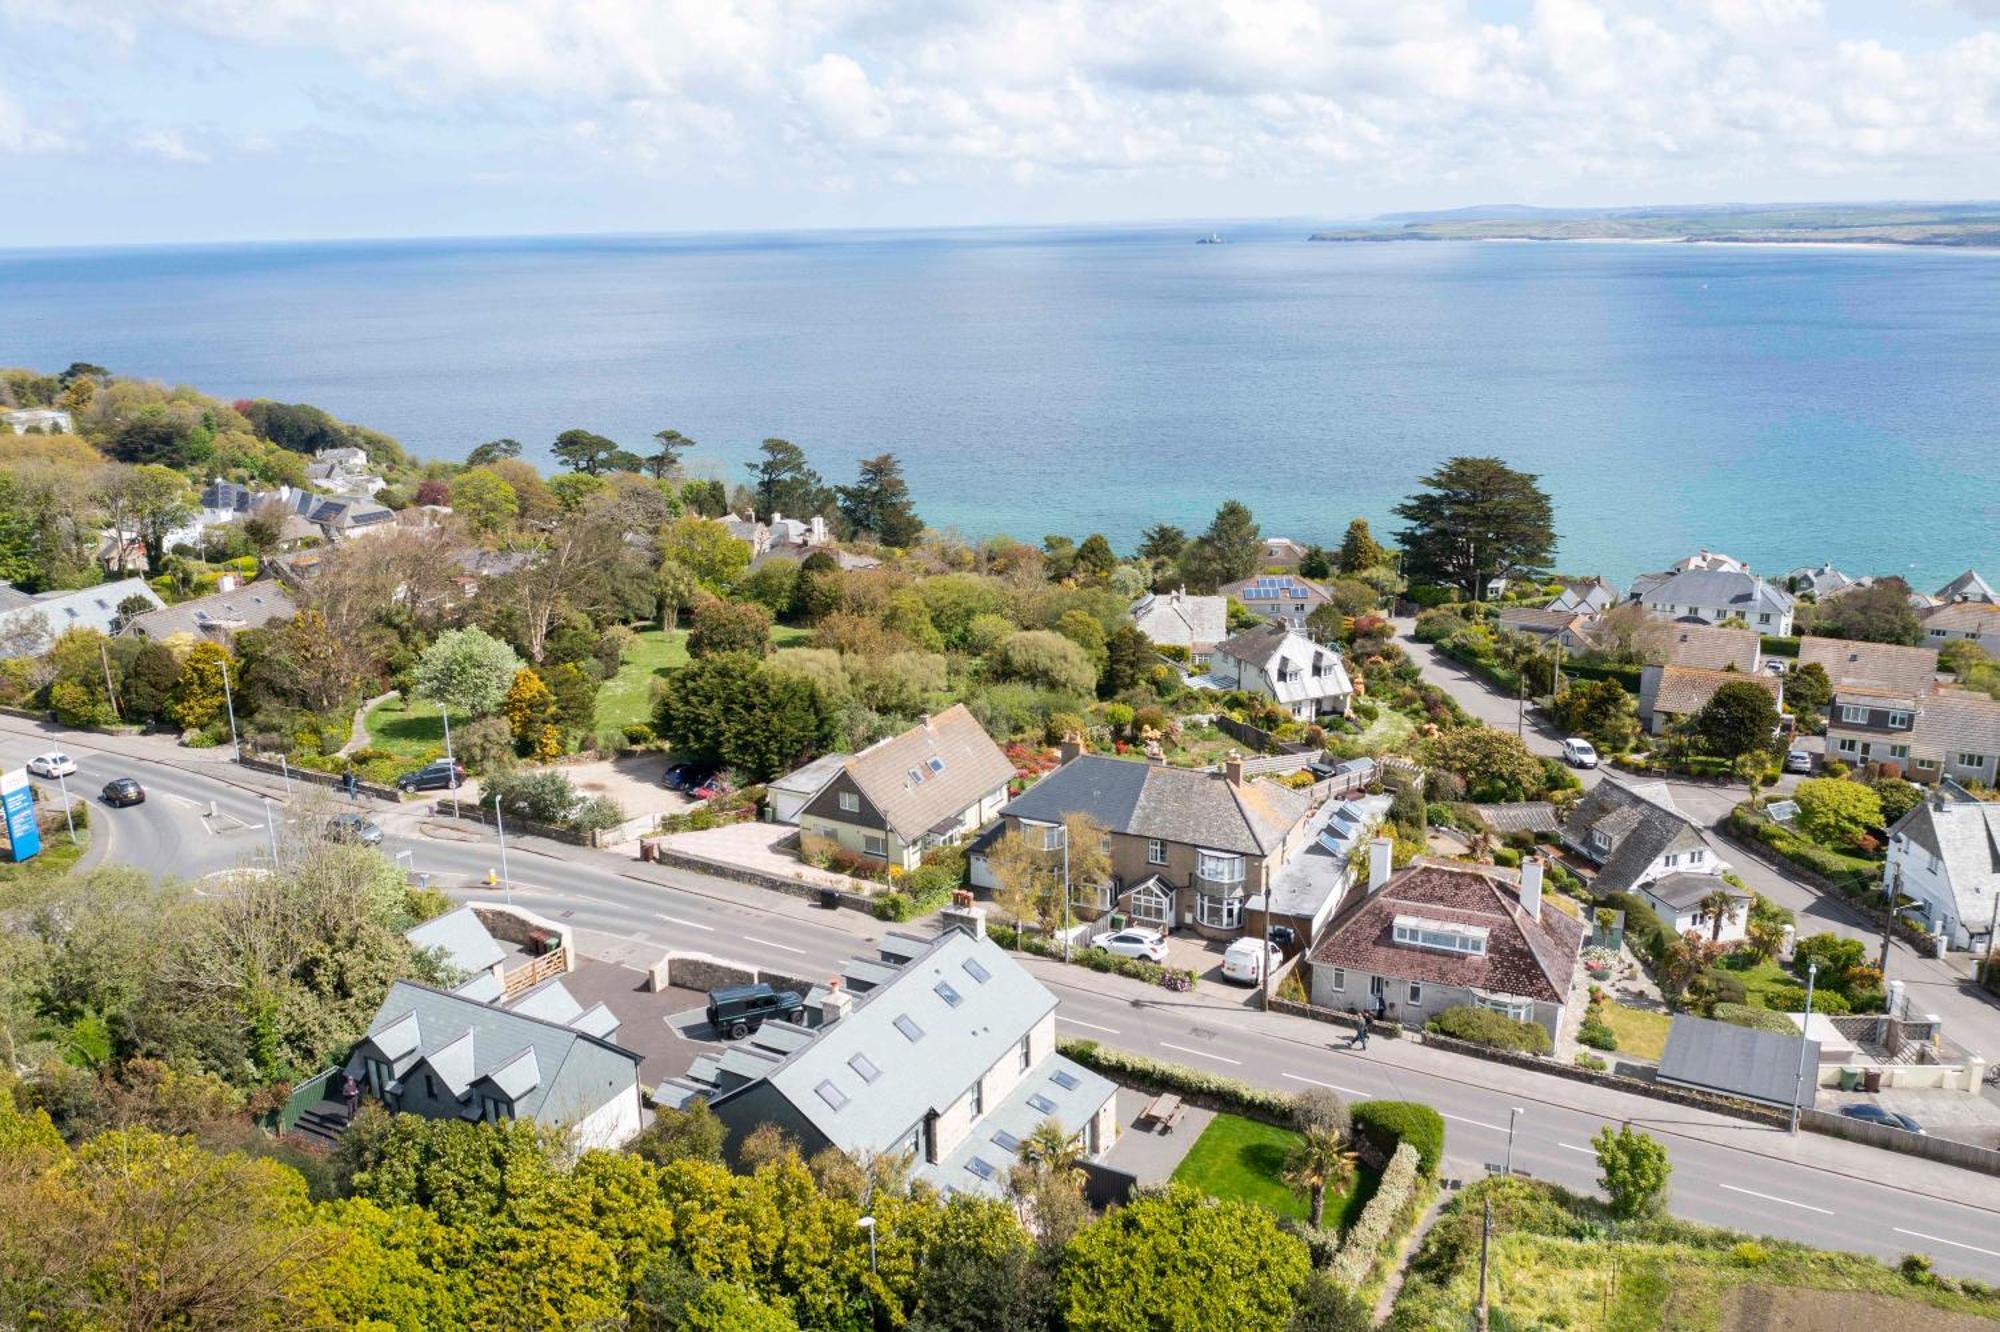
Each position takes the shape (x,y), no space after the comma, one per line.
(644,1018)
(755,846)
(632,780)
(1959,1116)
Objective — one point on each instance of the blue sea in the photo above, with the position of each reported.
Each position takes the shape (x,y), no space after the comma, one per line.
(1788,405)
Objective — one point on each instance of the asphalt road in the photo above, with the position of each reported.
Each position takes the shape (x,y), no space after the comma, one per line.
(1814,1189)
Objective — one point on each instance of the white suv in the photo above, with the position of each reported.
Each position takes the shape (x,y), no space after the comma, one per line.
(1134,943)
(1579,753)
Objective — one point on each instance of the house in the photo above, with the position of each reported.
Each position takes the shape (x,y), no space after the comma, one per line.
(1945,853)
(1641,843)
(344,471)
(1305,678)
(41,420)
(1668,694)
(1823,581)
(1310,886)
(1968,586)
(927,787)
(1743,1062)
(1922,601)
(28,625)
(1703,646)
(463,943)
(1569,627)
(219,616)
(544,1059)
(1282,553)
(341,518)
(1712,596)
(1438,934)
(1286,597)
(943,1049)
(1188,847)
(1957,735)
(1175,619)
(786,796)
(1876,688)
(1974,621)
(1590,596)
(745,528)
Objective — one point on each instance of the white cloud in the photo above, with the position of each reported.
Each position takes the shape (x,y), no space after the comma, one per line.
(169,145)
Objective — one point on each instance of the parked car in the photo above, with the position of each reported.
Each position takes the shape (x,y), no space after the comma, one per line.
(1579,753)
(354,828)
(716,784)
(1322,772)
(1774,666)
(1240,961)
(737,1010)
(55,763)
(688,777)
(675,777)
(1870,1113)
(1798,760)
(442,775)
(1133,943)
(123,791)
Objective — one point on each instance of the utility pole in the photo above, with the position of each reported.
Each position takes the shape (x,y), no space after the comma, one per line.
(500,826)
(444,711)
(1805,1024)
(229,702)
(1895,891)
(1063,830)
(1485,1242)
(1521,707)
(110,692)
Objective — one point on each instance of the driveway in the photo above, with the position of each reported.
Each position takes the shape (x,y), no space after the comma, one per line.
(632,780)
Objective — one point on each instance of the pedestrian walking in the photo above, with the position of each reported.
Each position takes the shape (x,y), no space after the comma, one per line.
(350,1095)
(352,785)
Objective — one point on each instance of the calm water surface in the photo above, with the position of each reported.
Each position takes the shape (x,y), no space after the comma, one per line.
(1787,405)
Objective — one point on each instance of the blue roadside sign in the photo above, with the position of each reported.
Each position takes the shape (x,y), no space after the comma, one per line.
(18,799)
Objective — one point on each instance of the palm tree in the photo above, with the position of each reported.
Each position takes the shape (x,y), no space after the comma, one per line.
(1717,906)
(1319,1161)
(1055,1152)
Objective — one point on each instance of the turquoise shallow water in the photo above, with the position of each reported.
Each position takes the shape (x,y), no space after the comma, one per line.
(1786,405)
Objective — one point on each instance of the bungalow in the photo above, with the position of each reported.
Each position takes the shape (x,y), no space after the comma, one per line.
(1668,694)
(219,616)
(1945,853)
(1642,844)
(1876,690)
(1285,597)
(1712,596)
(29,624)
(1976,621)
(1188,847)
(1305,678)
(1175,619)
(943,1050)
(785,796)
(1570,627)
(900,797)
(1703,646)
(1282,553)
(1438,935)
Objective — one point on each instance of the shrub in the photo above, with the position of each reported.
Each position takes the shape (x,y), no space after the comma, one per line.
(1757,1019)
(1274,1107)
(1591,1062)
(893,906)
(545,797)
(1377,1222)
(1792,999)
(639,733)
(1483,1026)
(1750,1253)
(596,814)
(1596,1035)
(1507,857)
(1389,1124)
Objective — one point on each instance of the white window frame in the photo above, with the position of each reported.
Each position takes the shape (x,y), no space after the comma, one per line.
(1219,866)
(1968,760)
(1156,851)
(1695,857)
(1416,992)
(1377,987)
(1899,721)
(1158,905)
(850,802)
(874,844)
(1093,896)
(1899,751)
(1853,715)
(1339,984)
(1847,744)
(1218,912)
(1599,840)
(1520,1010)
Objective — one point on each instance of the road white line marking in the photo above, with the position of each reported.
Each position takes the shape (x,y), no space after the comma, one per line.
(1786,1201)
(1203,1053)
(1344,1091)
(1939,1239)
(783,948)
(1079,1022)
(1587,1151)
(676,920)
(1474,1122)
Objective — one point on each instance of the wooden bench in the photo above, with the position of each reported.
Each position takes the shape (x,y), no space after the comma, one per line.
(1164,1111)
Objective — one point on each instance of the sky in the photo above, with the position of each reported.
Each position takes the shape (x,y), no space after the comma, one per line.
(141,121)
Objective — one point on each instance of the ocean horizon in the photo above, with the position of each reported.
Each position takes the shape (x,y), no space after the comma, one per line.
(1789,405)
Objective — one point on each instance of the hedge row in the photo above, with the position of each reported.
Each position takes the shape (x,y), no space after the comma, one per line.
(1097,959)
(1850,874)
(1390,1124)
(1483,1026)
(1379,1220)
(1231,1093)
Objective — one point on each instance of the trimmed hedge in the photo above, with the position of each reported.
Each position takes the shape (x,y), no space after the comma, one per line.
(1852,875)
(1233,1093)
(1391,1124)
(1757,1019)
(1378,1222)
(1483,1026)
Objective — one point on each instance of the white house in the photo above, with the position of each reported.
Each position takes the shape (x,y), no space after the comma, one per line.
(1974,621)
(1945,853)
(1305,678)
(1175,619)
(1711,596)
(1642,844)
(47,420)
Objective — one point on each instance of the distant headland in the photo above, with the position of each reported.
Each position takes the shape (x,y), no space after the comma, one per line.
(1957,225)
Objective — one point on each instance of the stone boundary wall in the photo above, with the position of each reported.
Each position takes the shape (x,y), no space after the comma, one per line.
(664,855)
(700,971)
(318,778)
(1698,1100)
(1964,1155)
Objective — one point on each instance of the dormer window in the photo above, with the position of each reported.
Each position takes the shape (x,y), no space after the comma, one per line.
(1441,936)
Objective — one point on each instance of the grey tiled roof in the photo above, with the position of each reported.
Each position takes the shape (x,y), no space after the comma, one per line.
(1181,620)
(1173,804)
(956,765)
(1739,593)
(1641,822)
(251,606)
(466,943)
(87,608)
(1683,890)
(1705,646)
(1884,666)
(1964,835)
(1520,816)
(1968,586)
(1951,722)
(1687,689)
(1742,1061)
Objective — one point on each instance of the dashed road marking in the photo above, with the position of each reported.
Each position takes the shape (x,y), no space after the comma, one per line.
(1939,1239)
(1474,1122)
(686,924)
(1344,1091)
(1786,1201)
(1079,1022)
(1203,1053)
(783,948)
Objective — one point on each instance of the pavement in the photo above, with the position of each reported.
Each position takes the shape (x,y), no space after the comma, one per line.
(1819,1190)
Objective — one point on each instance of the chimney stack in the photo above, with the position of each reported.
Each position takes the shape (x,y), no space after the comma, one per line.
(1531,887)
(1232,769)
(963,915)
(1070,748)
(1379,852)
(835,1004)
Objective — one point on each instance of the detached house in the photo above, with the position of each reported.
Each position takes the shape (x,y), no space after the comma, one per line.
(1438,935)
(900,797)
(1968,586)
(1975,621)
(1286,597)
(1668,694)
(1305,678)
(1175,619)
(1188,847)
(1711,596)
(1945,853)
(1642,844)
(944,1049)
(1876,691)
(1590,596)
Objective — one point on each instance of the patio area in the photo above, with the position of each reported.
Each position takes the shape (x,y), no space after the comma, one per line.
(1147,1155)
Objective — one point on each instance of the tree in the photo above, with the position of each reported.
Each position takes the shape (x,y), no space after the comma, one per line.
(1162,543)
(1359,550)
(729,626)
(979,1272)
(1318,1161)
(1718,906)
(1494,764)
(1230,549)
(1601,711)
(1325,1305)
(1738,719)
(1836,812)
(1181,1259)
(151,682)
(1878,613)
(1027,882)
(1475,518)
(1685,959)
(878,504)
(1316,563)
(199,697)
(1094,561)
(1634,1171)
(487,503)
(575,690)
(468,670)
(1807,688)
(1083,629)
(530,709)
(783,483)
(666,460)
(593,454)
(1046,658)
(1053,1153)
(492,451)
(1128,659)
(690,1133)
(677,588)
(727,708)
(705,549)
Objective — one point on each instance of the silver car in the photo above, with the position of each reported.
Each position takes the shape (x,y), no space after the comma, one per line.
(1133,943)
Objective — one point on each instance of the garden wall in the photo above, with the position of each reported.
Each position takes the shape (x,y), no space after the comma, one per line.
(317,778)
(1961,1154)
(810,892)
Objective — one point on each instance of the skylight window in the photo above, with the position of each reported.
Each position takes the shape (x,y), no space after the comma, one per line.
(864,1068)
(911,1031)
(916,776)
(1006,1141)
(1042,1103)
(1065,1079)
(977,971)
(935,765)
(831,1094)
(979,1168)
(946,993)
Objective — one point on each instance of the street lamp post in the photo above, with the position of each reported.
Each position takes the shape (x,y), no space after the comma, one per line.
(229,702)
(1513,1113)
(68,813)
(1805,1026)
(1062,836)
(452,776)
(500,826)
(271,829)
(867,1223)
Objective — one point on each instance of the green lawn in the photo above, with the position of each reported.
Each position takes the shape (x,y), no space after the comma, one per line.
(57,858)
(1241,1159)
(1641,1034)
(1390,732)
(1759,977)
(626,697)
(410,728)
(785,635)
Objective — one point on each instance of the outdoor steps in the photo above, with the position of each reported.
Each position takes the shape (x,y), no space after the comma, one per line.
(323,1124)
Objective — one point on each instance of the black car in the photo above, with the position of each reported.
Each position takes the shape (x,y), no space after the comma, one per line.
(693,777)
(354,828)
(676,775)
(1869,1113)
(124,791)
(443,775)
(737,1010)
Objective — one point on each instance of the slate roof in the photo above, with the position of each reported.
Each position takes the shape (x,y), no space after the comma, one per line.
(1274,645)
(1968,586)
(1684,891)
(1964,617)
(1685,689)
(1181,620)
(1951,722)
(1585,594)
(1890,667)
(1965,837)
(466,942)
(1184,805)
(1734,592)
(1524,958)
(1289,588)
(1641,822)
(1520,816)
(1705,646)
(809,779)
(937,769)
(1542,623)
(1740,1061)
(218,614)
(88,608)
(1819,581)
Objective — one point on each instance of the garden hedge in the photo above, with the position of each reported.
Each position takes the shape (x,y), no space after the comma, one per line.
(1379,1219)
(1232,1093)
(1483,1026)
(1390,1124)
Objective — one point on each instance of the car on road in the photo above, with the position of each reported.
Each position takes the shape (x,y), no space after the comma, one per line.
(354,828)
(123,791)
(442,775)
(1579,753)
(1798,760)
(1133,943)
(1241,960)
(737,1010)
(1774,666)
(55,763)
(1869,1113)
